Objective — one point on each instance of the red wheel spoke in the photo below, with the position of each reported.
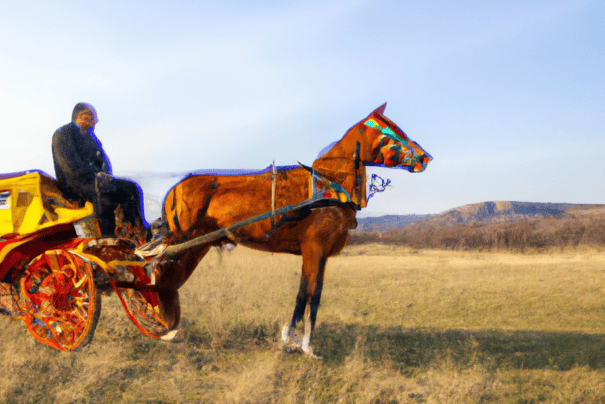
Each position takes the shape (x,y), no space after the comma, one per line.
(61,299)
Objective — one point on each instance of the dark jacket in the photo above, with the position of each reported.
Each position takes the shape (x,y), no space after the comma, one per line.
(78,158)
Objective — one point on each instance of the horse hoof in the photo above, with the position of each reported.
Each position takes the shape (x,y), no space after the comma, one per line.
(290,349)
(310,354)
(169,336)
(290,337)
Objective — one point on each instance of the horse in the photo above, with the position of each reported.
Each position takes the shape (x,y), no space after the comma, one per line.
(205,202)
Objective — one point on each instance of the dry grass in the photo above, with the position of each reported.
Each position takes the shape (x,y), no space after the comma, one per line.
(396,326)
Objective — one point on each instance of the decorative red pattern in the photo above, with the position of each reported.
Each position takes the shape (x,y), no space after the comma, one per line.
(30,246)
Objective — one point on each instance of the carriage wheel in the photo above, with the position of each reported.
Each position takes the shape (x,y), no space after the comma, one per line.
(142,308)
(61,305)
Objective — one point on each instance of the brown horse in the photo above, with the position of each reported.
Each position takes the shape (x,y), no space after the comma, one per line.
(203,203)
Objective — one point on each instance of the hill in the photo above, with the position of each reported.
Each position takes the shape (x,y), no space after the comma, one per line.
(492,211)
(507,211)
(500,225)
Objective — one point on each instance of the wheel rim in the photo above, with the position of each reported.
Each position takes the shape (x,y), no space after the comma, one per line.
(143,314)
(60,300)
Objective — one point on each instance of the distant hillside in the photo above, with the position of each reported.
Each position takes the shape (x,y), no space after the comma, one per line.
(504,211)
(387,222)
(500,225)
(498,211)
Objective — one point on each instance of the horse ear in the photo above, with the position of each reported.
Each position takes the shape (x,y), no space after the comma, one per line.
(380,109)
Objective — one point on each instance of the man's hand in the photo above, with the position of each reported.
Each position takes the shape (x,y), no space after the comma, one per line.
(104,182)
(104,177)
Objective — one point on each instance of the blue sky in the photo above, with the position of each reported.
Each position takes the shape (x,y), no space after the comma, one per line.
(508,97)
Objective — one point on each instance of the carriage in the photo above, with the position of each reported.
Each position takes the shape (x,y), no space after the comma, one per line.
(54,265)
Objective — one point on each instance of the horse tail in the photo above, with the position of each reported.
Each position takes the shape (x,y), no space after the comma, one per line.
(187,203)
(173,208)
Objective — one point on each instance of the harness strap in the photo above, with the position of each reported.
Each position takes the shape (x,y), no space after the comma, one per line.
(358,183)
(273,179)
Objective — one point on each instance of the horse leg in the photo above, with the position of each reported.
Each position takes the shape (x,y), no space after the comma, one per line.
(172,272)
(307,302)
(288,337)
(311,310)
(170,311)
(170,275)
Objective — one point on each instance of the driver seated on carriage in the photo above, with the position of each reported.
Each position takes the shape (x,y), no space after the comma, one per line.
(84,173)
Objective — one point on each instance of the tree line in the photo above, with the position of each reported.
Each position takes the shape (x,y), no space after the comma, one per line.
(535,233)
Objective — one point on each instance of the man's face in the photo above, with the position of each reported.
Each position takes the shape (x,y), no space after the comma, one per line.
(86,119)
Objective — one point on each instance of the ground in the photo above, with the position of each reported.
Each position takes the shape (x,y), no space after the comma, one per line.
(396,325)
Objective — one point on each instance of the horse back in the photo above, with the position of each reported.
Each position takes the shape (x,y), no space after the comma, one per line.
(203,203)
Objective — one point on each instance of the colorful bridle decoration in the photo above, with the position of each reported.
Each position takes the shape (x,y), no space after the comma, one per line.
(375,188)
(410,154)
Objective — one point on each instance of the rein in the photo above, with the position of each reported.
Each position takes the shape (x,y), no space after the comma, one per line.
(357,174)
(273,185)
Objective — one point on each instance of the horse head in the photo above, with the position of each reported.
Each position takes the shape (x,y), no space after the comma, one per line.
(381,143)
(388,146)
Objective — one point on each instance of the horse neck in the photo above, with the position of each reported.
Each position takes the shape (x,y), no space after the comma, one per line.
(342,170)
(338,164)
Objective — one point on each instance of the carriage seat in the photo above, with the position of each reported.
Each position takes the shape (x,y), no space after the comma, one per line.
(31,201)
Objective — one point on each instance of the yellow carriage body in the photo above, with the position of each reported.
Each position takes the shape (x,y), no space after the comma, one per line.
(32,201)
(51,281)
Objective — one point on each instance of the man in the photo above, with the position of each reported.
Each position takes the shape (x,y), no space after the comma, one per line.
(82,169)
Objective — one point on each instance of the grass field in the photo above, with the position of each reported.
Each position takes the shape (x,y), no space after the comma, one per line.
(395,326)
